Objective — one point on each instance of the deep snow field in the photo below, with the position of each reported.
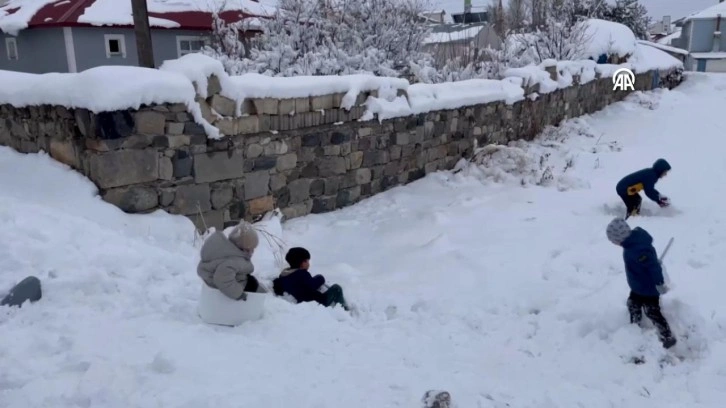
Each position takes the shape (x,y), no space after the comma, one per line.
(504,294)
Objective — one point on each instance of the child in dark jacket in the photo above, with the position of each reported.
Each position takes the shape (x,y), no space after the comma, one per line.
(629,187)
(645,276)
(301,285)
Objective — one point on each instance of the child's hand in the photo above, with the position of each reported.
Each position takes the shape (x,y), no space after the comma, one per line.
(243,296)
(664,201)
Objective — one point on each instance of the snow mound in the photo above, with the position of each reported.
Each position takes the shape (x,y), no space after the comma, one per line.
(647,58)
(607,37)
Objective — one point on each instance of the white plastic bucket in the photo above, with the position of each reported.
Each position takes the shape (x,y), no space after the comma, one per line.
(216,308)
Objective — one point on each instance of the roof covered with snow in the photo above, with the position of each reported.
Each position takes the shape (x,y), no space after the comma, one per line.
(670,37)
(607,37)
(18,15)
(445,33)
(711,12)
(663,47)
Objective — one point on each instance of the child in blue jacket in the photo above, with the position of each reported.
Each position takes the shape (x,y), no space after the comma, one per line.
(301,285)
(630,186)
(645,276)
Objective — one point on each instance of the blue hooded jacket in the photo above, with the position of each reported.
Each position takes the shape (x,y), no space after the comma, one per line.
(642,267)
(643,180)
(300,284)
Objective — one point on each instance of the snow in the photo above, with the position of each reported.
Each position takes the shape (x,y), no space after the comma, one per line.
(607,37)
(262,86)
(463,34)
(710,12)
(498,294)
(101,89)
(114,12)
(648,58)
(18,20)
(668,38)
(663,47)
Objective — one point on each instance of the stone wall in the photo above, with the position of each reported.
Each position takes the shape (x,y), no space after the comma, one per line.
(316,160)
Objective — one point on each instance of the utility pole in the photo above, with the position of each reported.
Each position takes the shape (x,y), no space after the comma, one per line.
(143,33)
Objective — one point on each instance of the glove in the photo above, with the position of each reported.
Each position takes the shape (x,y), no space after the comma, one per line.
(662,289)
(663,201)
(243,296)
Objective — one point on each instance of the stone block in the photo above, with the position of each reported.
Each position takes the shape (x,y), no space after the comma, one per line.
(84,122)
(256,185)
(347,197)
(298,210)
(264,163)
(254,150)
(132,199)
(365,131)
(321,102)
(277,181)
(332,150)
(302,105)
(223,105)
(276,147)
(265,106)
(179,141)
(338,138)
(150,123)
(213,85)
(166,168)
(363,176)
(332,185)
(261,205)
(195,129)
(65,152)
(192,198)
(174,128)
(311,140)
(310,170)
(286,162)
(182,163)
(248,124)
(356,160)
(299,190)
(221,196)
(317,187)
(286,107)
(331,166)
(166,196)
(122,168)
(227,126)
(217,166)
(401,138)
(323,204)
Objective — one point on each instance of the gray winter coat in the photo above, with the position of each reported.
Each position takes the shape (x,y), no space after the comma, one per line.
(223,266)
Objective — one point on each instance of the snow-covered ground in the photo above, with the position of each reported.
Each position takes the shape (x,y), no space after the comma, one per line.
(504,295)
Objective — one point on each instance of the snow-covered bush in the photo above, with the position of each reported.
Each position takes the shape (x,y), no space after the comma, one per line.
(331,37)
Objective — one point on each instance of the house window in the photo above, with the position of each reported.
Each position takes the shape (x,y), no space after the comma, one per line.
(115,45)
(11,46)
(187,45)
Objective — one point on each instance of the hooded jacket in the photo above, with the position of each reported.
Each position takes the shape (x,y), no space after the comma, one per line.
(224,266)
(300,284)
(644,179)
(642,267)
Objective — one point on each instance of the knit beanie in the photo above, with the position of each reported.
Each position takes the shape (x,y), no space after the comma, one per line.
(617,231)
(296,256)
(244,236)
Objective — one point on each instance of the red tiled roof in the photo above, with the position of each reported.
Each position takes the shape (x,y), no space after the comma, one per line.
(66,14)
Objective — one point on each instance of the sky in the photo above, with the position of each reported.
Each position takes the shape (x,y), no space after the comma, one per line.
(656,8)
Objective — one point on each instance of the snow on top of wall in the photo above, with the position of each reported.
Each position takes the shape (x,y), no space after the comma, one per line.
(261,86)
(607,37)
(102,89)
(465,34)
(12,23)
(115,12)
(711,12)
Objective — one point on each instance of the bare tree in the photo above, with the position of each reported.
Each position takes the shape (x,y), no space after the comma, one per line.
(143,33)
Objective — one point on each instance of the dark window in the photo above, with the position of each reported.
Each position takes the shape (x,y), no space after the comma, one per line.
(114,46)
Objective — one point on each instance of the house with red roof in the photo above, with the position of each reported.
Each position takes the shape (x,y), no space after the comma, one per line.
(42,36)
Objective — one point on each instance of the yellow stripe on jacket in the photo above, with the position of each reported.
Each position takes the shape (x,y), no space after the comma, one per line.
(635,189)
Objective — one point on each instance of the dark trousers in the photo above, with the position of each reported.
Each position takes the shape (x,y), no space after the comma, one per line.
(332,296)
(252,284)
(651,305)
(632,204)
